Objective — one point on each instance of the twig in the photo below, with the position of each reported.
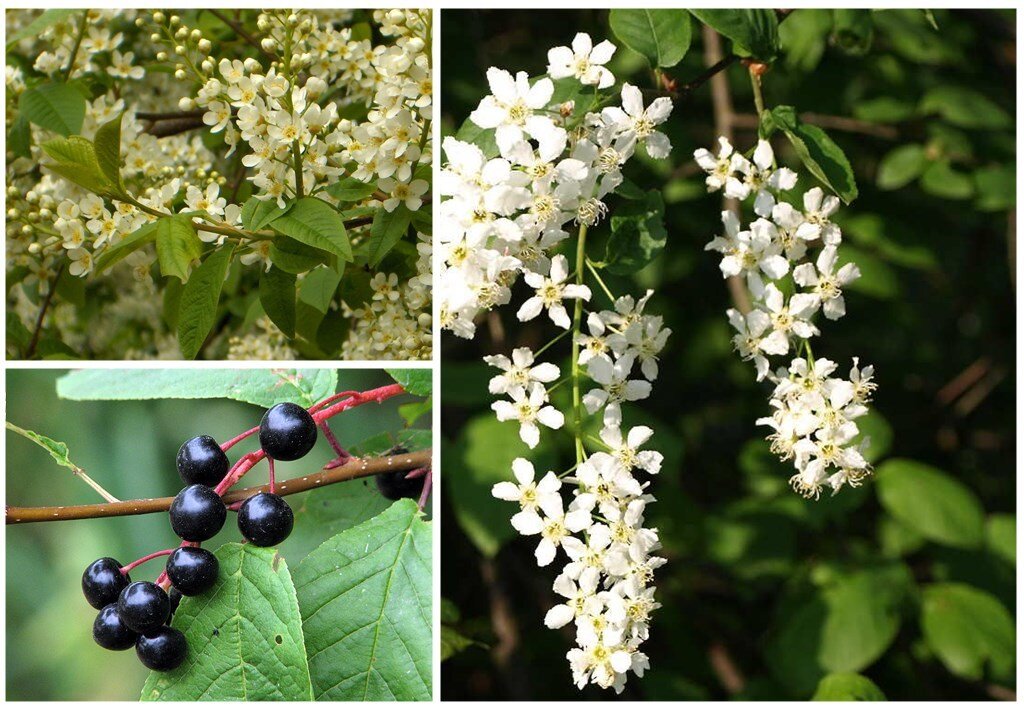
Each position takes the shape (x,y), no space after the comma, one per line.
(701,79)
(353,469)
(240,31)
(30,351)
(78,43)
(723,113)
(839,123)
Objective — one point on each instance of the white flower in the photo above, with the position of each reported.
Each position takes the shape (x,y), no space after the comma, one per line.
(411,193)
(554,527)
(551,290)
(581,598)
(529,407)
(826,283)
(639,122)
(528,494)
(584,61)
(721,167)
(510,108)
(818,209)
(519,371)
(616,387)
(750,340)
(626,452)
(760,177)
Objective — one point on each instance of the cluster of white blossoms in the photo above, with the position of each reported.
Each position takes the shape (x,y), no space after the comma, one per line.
(814,410)
(284,115)
(511,202)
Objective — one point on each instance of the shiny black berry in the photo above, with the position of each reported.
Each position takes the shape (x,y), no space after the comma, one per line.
(109,632)
(143,607)
(265,519)
(197,513)
(192,570)
(287,432)
(394,485)
(103,581)
(162,649)
(174,596)
(201,461)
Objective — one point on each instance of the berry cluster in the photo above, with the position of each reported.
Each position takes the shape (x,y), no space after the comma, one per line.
(139,613)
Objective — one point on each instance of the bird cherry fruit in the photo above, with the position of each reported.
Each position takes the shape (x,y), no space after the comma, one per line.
(192,570)
(287,432)
(103,581)
(202,461)
(143,607)
(265,519)
(197,513)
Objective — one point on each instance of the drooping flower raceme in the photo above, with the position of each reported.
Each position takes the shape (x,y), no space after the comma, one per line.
(540,174)
(814,408)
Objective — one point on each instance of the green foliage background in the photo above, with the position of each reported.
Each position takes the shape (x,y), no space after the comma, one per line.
(909,580)
(129,448)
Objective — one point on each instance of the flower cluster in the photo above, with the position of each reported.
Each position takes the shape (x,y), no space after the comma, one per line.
(320,102)
(814,411)
(543,168)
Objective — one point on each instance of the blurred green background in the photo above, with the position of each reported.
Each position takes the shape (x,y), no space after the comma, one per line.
(909,580)
(129,448)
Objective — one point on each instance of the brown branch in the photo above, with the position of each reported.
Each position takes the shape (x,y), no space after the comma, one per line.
(167,115)
(721,103)
(706,76)
(241,32)
(47,300)
(839,123)
(172,127)
(353,469)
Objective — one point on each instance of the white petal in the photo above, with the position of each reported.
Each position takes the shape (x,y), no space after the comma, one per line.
(558,616)
(506,491)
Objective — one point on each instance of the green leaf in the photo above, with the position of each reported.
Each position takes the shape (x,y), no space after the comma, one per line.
(177,246)
(46,19)
(385,232)
(843,626)
(319,288)
(823,158)
(197,310)
(351,190)
(365,597)
(853,30)
(754,32)
(965,108)
(847,687)
(661,36)
(108,150)
(77,162)
(453,642)
(277,295)
(416,381)
(412,411)
(967,629)
(57,450)
(941,179)
(930,502)
(330,510)
(19,138)
(482,138)
(638,235)
(257,214)
(480,458)
(314,222)
(244,636)
(296,258)
(996,187)
(261,387)
(128,244)
(55,106)
(900,166)
(1001,536)
(883,109)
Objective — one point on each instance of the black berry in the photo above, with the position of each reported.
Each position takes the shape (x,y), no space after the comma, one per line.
(265,519)
(143,607)
(287,432)
(394,485)
(174,596)
(201,461)
(163,649)
(103,581)
(197,513)
(192,570)
(109,632)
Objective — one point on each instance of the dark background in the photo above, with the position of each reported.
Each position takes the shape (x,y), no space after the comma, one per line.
(750,561)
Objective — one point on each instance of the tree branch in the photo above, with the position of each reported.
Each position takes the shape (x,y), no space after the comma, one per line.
(724,115)
(44,307)
(839,123)
(352,469)
(240,31)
